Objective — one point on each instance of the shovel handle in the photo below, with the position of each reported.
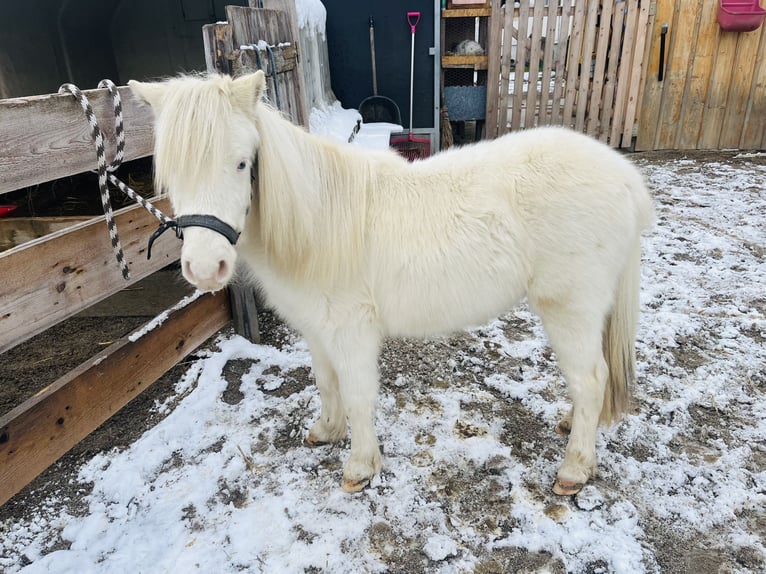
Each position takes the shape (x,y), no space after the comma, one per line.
(413,16)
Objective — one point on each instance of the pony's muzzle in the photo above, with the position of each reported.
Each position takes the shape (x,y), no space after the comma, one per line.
(207,261)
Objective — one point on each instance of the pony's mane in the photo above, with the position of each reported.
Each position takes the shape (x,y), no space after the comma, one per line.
(191,130)
(312,200)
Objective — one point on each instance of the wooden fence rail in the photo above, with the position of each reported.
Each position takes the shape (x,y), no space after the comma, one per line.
(43,138)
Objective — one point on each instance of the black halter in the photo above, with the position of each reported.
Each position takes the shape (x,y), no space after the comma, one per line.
(207,221)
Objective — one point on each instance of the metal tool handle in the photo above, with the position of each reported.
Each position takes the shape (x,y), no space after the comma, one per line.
(410,16)
(373,58)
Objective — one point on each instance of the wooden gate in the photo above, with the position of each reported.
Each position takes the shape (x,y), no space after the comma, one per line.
(567,62)
(705,87)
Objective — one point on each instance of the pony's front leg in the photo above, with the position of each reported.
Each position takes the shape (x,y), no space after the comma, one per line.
(355,358)
(331,425)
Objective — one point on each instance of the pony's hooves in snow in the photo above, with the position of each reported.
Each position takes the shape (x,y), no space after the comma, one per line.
(563,428)
(351,485)
(313,442)
(567,487)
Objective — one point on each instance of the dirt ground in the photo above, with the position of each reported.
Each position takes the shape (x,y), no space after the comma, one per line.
(31,366)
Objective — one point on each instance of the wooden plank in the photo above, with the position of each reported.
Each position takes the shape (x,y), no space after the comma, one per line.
(47,137)
(754,134)
(475,62)
(682,47)
(505,69)
(298,90)
(559,84)
(55,277)
(464,12)
(573,62)
(623,74)
(652,98)
(742,73)
(583,90)
(494,58)
(534,65)
(548,65)
(610,85)
(599,69)
(218,45)
(17,230)
(636,75)
(718,91)
(644,60)
(250,26)
(522,47)
(700,68)
(38,432)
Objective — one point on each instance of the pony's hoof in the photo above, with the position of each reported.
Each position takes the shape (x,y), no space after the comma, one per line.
(351,485)
(563,428)
(567,487)
(312,442)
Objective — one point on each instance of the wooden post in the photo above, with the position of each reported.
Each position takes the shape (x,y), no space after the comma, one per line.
(277,25)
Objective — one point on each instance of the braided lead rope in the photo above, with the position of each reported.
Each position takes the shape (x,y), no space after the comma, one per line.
(103,170)
(119,133)
(98,141)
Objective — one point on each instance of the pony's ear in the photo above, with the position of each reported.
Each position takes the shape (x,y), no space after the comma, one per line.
(148,92)
(248,89)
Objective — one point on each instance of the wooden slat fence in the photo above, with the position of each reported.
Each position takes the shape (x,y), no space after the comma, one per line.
(711,93)
(568,62)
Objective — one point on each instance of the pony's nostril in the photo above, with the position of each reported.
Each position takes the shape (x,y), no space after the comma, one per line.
(223,271)
(187,272)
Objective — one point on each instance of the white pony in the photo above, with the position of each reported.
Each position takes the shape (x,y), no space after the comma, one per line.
(351,246)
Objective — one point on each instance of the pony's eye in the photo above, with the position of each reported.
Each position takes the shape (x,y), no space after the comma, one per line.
(242,165)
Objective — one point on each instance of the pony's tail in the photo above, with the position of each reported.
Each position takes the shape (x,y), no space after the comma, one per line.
(619,341)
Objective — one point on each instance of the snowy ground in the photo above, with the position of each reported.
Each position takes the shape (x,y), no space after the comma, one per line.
(224,484)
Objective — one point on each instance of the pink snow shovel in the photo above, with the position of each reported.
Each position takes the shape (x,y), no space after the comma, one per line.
(410,146)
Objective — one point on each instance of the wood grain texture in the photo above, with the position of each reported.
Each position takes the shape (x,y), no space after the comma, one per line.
(742,72)
(47,137)
(252,25)
(522,49)
(535,54)
(505,69)
(54,277)
(599,70)
(573,63)
(494,57)
(701,67)
(35,434)
(636,74)
(610,84)
(299,79)
(586,59)
(682,47)
(652,98)
(623,74)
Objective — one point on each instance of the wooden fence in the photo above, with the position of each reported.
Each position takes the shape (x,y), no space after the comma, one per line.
(709,89)
(645,74)
(52,278)
(567,62)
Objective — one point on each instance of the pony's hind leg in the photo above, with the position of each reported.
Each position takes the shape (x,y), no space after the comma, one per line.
(576,339)
(331,425)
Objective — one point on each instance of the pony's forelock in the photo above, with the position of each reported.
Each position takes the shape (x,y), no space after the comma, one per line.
(191,130)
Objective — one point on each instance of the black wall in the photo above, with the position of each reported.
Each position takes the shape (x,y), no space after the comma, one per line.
(348,44)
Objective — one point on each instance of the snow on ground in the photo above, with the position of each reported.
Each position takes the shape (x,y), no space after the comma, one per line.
(224,483)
